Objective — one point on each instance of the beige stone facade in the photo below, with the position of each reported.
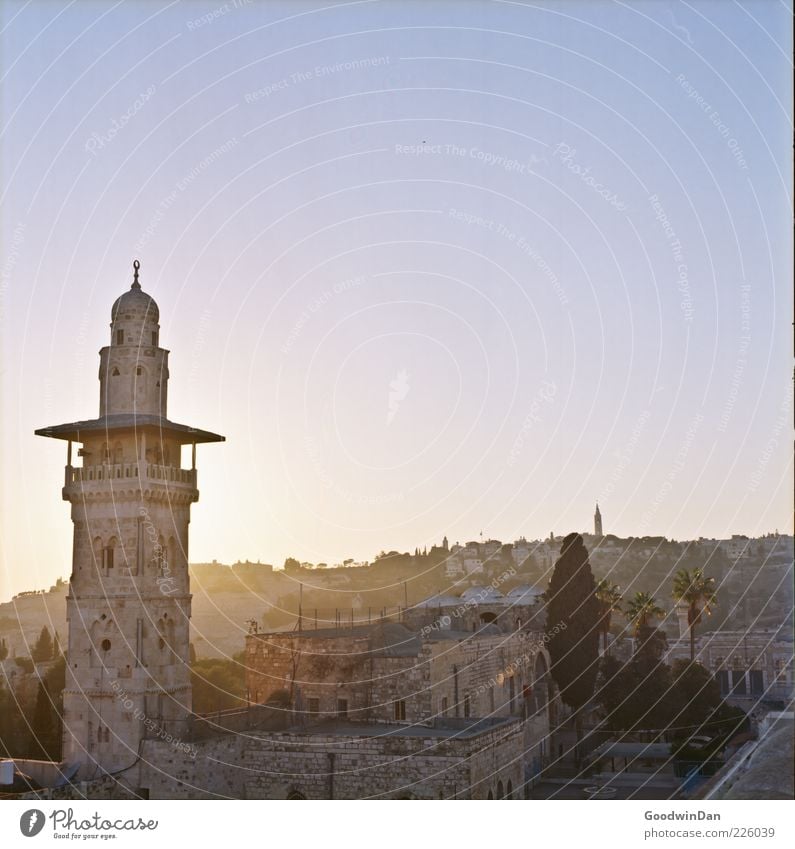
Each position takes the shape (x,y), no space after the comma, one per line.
(331,760)
(128,607)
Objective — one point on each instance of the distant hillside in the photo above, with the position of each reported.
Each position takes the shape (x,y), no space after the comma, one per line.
(226,598)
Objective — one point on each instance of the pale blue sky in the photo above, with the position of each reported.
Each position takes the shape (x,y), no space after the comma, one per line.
(265,163)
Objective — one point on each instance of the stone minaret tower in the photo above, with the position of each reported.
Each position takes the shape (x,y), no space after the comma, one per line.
(128,607)
(597,522)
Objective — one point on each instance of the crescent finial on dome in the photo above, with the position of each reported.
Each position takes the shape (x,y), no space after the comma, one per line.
(135,283)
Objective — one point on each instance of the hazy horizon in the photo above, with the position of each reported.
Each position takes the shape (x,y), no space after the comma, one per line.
(428,274)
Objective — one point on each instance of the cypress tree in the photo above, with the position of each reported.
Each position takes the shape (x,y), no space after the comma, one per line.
(573,616)
(43,649)
(41,733)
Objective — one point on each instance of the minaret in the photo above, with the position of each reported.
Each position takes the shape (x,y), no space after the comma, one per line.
(597,522)
(128,607)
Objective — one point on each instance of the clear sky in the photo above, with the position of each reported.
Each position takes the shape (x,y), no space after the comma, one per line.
(431,267)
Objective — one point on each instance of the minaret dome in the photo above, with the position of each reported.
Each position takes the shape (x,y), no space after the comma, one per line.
(133,371)
(134,316)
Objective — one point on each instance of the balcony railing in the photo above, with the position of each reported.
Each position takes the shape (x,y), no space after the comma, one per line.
(128,471)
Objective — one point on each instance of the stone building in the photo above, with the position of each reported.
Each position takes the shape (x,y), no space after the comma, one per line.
(128,606)
(466,673)
(459,759)
(454,701)
(386,673)
(753,668)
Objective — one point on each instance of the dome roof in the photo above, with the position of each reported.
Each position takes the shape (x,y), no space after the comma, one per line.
(483,594)
(135,303)
(440,601)
(525,590)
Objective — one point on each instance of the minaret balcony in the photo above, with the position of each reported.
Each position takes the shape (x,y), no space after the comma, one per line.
(100,475)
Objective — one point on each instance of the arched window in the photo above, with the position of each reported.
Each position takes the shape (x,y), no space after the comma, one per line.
(172,555)
(294,794)
(510,789)
(108,556)
(491,795)
(540,686)
(115,372)
(500,791)
(139,384)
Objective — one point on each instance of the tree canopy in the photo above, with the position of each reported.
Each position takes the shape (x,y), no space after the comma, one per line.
(573,618)
(43,649)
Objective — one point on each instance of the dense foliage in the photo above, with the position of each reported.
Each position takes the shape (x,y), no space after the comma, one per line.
(573,621)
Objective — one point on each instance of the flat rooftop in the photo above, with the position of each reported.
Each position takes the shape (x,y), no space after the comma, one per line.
(450,728)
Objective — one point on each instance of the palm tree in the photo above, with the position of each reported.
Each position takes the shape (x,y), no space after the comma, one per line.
(641,608)
(696,591)
(609,596)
